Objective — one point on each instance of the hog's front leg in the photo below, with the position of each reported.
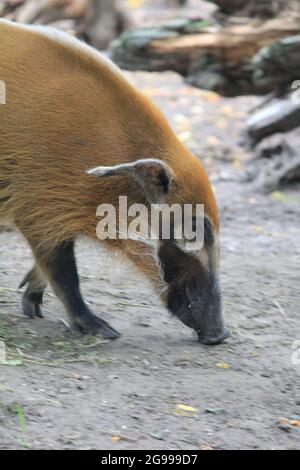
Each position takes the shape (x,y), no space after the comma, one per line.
(59,266)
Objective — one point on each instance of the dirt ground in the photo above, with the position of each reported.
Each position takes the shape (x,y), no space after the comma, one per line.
(69,393)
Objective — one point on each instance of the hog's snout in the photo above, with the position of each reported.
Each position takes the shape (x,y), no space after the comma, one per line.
(194,294)
(213,339)
(207,311)
(199,306)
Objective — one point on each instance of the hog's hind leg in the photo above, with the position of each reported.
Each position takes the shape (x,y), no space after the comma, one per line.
(33,296)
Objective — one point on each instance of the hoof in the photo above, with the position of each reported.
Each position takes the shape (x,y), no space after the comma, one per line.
(96,326)
(31,304)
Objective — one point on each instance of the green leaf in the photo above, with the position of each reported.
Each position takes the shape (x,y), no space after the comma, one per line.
(12,362)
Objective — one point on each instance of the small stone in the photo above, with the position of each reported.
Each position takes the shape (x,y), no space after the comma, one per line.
(77,377)
(285,427)
(157,435)
(215,411)
(143,324)
(81,387)
(113,377)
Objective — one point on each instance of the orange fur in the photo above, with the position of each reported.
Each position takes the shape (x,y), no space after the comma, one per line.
(68,110)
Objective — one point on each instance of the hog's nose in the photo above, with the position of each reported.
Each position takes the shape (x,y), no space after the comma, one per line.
(214,339)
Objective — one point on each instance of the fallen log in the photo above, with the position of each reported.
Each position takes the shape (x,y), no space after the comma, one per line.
(210,57)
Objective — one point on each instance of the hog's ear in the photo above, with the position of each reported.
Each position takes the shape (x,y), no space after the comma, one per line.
(154,177)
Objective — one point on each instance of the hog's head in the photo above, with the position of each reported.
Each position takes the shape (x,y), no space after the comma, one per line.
(190,274)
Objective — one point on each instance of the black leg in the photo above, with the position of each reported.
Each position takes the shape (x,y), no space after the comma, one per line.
(60,268)
(33,296)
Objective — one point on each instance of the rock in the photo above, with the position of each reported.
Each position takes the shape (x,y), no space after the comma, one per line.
(285,427)
(277,161)
(157,435)
(280,115)
(215,411)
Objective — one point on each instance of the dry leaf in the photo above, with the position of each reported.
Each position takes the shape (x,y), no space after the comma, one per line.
(181,408)
(227,111)
(134,3)
(209,96)
(292,422)
(212,141)
(257,228)
(223,365)
(206,447)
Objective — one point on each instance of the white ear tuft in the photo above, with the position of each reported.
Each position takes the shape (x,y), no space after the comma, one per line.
(102,171)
